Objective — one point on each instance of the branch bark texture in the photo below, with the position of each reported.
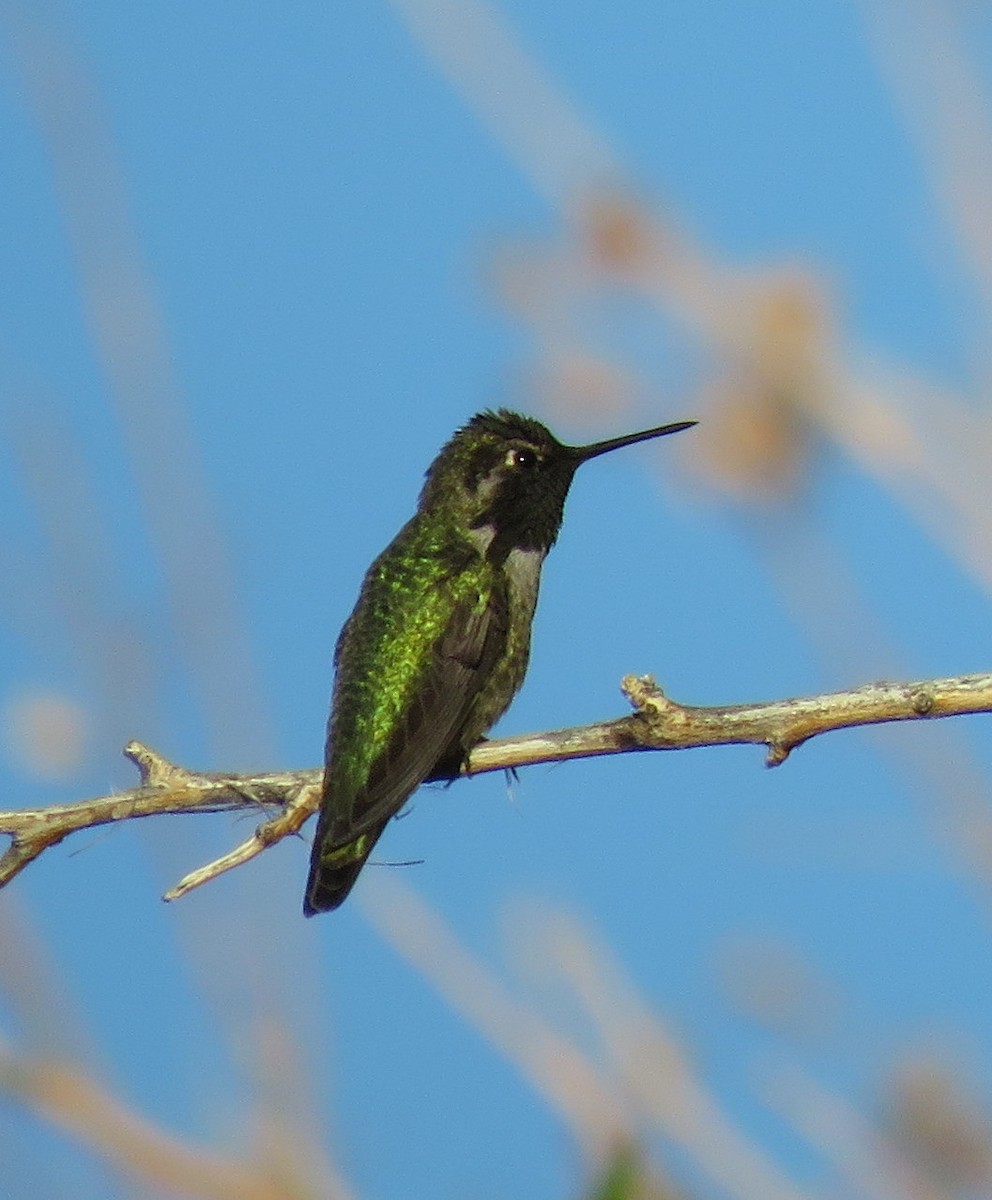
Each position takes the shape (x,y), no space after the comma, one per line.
(657,723)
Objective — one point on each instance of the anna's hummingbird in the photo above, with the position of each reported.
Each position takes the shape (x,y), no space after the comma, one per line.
(437,645)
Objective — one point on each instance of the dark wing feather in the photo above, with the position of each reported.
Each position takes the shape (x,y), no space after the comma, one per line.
(434,720)
(431,730)
(329,885)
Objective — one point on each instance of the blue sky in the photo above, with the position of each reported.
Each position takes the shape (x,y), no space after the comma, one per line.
(253,260)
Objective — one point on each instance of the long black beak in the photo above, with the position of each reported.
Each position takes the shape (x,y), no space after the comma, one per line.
(584,453)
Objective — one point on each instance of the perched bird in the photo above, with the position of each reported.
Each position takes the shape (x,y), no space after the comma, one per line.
(437,645)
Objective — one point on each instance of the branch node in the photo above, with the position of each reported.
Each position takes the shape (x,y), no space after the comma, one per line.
(155,771)
(778,752)
(300,804)
(645,695)
(923,702)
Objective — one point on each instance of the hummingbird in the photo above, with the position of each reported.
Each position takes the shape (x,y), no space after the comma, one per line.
(438,642)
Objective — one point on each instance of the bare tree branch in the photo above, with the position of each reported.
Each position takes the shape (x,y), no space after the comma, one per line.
(657,723)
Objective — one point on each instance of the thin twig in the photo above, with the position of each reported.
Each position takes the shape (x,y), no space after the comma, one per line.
(657,723)
(164,788)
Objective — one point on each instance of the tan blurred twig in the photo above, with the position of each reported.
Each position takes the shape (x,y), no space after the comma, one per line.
(597,1113)
(652,1066)
(657,723)
(79,1106)
(638,1075)
(869,1163)
(130,336)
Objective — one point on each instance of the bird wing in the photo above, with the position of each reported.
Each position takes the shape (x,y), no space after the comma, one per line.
(407,719)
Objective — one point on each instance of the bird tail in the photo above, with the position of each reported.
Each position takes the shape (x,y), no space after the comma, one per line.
(334,869)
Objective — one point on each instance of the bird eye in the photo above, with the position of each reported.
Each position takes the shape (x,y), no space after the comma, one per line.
(521,458)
